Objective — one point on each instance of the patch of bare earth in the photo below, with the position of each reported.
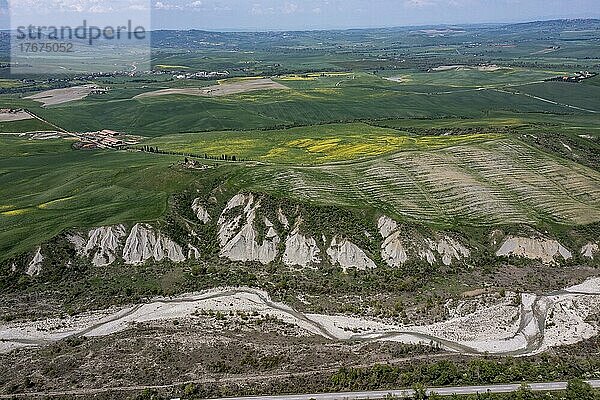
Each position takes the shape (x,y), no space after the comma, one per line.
(14,116)
(61,96)
(224,89)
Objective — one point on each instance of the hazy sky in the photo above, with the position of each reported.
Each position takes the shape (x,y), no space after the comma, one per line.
(305,14)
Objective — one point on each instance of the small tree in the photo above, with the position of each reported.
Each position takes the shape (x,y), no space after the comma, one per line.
(420,392)
(189,390)
(580,390)
(524,393)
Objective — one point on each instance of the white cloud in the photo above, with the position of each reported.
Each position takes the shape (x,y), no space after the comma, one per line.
(418,3)
(274,8)
(181,5)
(289,8)
(159,5)
(436,3)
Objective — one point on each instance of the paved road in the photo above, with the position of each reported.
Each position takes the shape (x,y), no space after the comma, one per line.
(447,391)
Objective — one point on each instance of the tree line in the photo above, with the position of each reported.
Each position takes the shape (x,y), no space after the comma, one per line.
(205,156)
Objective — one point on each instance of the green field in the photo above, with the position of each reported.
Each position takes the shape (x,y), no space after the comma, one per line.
(310,144)
(322,100)
(474,77)
(23,126)
(470,179)
(46,187)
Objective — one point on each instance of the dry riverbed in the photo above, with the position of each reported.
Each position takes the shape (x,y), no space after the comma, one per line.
(519,325)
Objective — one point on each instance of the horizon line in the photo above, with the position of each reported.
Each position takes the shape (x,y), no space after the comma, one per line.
(358,28)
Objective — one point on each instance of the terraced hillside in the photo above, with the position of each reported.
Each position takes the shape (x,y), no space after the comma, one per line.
(502,181)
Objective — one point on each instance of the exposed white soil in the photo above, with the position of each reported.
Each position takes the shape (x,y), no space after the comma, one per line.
(589,250)
(347,255)
(240,239)
(396,250)
(200,211)
(238,200)
(397,79)
(301,250)
(35,265)
(228,225)
(393,251)
(244,246)
(482,68)
(241,242)
(566,320)
(545,250)
(283,219)
(245,235)
(78,243)
(102,245)
(502,320)
(193,252)
(14,116)
(386,226)
(61,96)
(449,249)
(590,286)
(224,89)
(508,328)
(144,244)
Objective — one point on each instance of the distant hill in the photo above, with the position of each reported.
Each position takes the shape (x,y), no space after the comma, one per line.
(557,24)
(414,35)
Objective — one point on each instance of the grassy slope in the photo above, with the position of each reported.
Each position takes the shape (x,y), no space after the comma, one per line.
(308,145)
(580,95)
(174,114)
(326,99)
(474,78)
(46,187)
(525,121)
(500,181)
(27,125)
(443,181)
